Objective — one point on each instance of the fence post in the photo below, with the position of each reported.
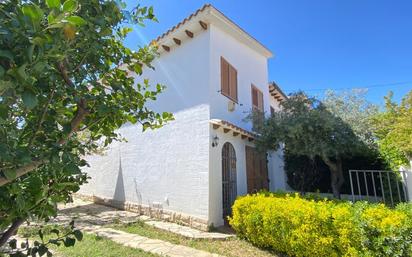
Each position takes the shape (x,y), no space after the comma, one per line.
(408,180)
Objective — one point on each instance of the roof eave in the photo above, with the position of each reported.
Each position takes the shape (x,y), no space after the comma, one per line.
(247,38)
(210,15)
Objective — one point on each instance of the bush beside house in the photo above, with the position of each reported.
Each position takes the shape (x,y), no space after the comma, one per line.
(310,227)
(313,175)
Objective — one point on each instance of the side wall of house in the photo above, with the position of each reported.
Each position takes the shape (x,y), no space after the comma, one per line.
(167,168)
(277,175)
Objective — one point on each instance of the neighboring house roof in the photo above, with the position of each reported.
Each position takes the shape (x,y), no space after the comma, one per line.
(229,127)
(199,21)
(276,92)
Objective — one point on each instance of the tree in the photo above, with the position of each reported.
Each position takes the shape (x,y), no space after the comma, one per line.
(393,128)
(306,174)
(60,75)
(353,108)
(306,127)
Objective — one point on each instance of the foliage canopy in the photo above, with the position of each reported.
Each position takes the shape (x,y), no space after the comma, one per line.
(353,108)
(306,127)
(64,71)
(393,128)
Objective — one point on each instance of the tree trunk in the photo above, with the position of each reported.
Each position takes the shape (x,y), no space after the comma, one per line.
(11,231)
(336,175)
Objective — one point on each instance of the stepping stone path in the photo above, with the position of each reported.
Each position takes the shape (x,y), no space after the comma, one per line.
(187,231)
(91,217)
(147,244)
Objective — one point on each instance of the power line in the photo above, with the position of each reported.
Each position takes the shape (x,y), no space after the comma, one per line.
(345,88)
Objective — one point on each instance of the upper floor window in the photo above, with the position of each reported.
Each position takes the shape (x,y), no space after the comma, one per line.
(228,80)
(257,99)
(257,107)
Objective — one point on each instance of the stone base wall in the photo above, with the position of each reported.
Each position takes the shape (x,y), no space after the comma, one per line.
(151,211)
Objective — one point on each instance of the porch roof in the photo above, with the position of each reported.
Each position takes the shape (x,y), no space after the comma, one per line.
(235,130)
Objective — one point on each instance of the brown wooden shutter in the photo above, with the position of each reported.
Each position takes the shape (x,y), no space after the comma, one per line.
(232,82)
(260,105)
(224,75)
(255,96)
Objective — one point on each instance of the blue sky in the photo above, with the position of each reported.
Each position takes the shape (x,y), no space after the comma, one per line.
(318,44)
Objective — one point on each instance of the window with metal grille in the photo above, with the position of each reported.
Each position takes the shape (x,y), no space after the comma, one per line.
(229,189)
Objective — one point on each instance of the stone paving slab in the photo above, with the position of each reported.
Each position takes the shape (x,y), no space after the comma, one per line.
(147,244)
(187,231)
(84,212)
(92,218)
(88,213)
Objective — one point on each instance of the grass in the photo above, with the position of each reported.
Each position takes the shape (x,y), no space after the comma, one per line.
(233,247)
(90,246)
(95,246)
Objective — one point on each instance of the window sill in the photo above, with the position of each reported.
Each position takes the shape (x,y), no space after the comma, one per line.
(230,98)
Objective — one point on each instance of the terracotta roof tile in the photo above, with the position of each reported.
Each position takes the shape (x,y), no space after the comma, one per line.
(183,22)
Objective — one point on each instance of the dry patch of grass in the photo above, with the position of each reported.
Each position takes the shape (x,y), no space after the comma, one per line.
(232,247)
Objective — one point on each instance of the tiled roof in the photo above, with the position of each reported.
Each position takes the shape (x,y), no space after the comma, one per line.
(183,21)
(213,15)
(276,92)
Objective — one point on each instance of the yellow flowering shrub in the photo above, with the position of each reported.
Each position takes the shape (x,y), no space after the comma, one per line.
(306,227)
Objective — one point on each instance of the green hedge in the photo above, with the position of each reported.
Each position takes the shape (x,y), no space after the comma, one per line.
(303,227)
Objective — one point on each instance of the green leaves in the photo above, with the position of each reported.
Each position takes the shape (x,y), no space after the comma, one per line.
(33,11)
(29,99)
(10,174)
(13,244)
(6,54)
(393,130)
(76,20)
(69,242)
(70,6)
(53,3)
(78,234)
(54,107)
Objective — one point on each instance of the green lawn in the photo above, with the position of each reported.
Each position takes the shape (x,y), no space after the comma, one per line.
(90,246)
(95,246)
(230,247)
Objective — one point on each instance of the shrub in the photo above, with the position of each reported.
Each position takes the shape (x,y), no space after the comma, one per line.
(304,227)
(310,175)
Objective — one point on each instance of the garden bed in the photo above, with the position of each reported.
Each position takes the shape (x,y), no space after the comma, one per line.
(320,227)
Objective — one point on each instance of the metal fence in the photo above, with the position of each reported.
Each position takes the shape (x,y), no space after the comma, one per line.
(384,186)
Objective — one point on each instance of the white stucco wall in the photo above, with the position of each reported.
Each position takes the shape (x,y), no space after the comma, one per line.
(215,175)
(277,176)
(168,166)
(185,73)
(408,179)
(251,68)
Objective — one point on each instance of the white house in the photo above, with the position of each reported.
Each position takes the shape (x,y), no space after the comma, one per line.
(192,169)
